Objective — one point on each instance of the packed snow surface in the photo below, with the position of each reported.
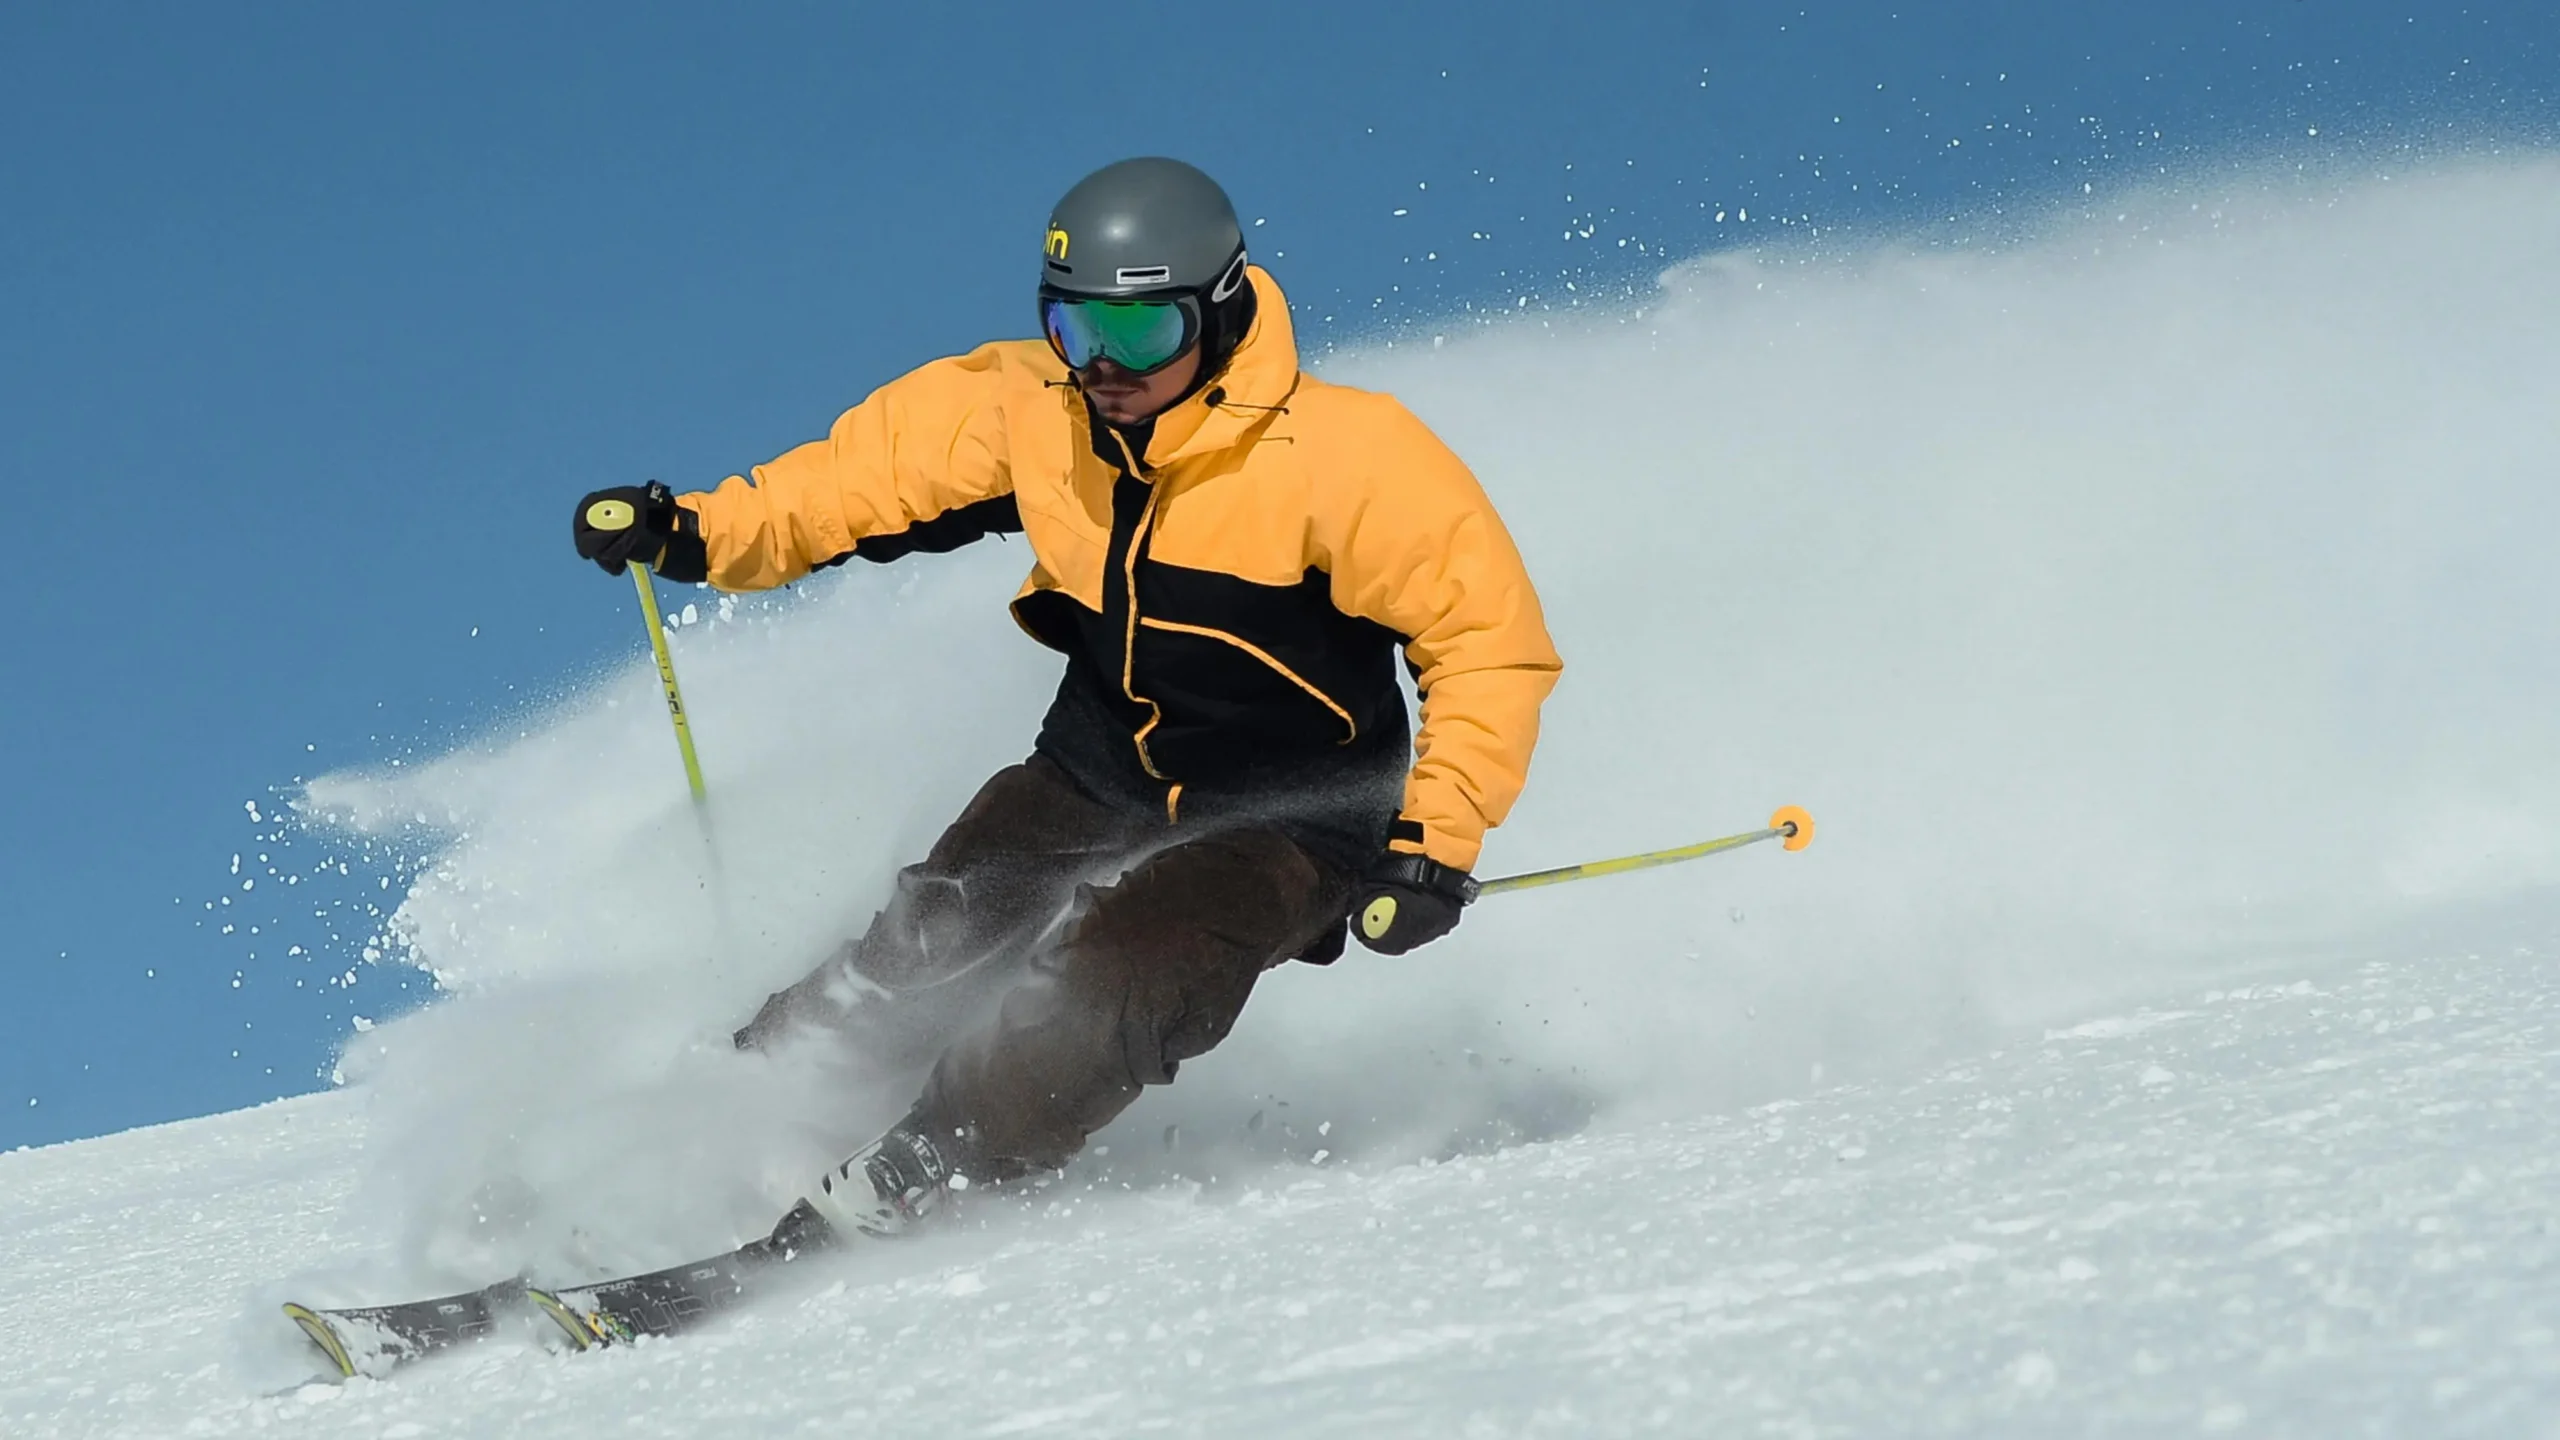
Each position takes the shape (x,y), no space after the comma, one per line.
(2156,611)
(2321,1206)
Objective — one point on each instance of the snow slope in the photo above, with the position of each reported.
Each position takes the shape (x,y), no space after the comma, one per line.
(2322,1207)
(2156,605)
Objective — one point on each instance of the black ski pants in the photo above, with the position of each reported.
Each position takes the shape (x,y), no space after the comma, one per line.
(1051,955)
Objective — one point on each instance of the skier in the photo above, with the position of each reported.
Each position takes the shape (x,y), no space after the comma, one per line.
(1228,552)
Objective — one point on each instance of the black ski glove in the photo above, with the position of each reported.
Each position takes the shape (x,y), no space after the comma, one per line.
(632,522)
(1408,900)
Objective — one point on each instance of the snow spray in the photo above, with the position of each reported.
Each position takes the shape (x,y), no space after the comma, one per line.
(2154,597)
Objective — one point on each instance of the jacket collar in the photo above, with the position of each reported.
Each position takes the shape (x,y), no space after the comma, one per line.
(1256,383)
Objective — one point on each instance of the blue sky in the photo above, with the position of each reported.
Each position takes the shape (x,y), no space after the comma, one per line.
(318,317)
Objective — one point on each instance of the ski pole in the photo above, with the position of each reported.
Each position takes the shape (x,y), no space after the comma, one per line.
(619,515)
(1791,826)
(667,682)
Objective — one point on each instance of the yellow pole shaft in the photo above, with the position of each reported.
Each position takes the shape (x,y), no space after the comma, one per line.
(1596,868)
(619,514)
(1790,825)
(667,680)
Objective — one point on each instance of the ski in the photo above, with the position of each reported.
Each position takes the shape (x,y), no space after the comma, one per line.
(669,1301)
(372,1339)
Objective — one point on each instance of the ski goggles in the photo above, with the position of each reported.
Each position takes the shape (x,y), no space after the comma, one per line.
(1141,336)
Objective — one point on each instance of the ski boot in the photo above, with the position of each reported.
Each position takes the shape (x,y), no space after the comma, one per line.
(890,1185)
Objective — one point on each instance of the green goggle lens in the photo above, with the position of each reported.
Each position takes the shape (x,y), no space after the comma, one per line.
(1138,335)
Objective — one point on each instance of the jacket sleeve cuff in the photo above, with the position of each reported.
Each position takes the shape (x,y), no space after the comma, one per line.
(687,558)
(1411,837)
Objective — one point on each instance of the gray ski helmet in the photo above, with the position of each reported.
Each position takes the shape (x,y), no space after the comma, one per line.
(1141,229)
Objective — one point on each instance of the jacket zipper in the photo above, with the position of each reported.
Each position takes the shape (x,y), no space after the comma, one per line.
(1129,634)
(1129,642)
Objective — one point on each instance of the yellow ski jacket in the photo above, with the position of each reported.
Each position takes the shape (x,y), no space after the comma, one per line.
(1231,582)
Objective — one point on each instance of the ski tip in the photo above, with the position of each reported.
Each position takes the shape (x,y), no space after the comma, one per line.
(323,1336)
(1792,822)
(583,1332)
